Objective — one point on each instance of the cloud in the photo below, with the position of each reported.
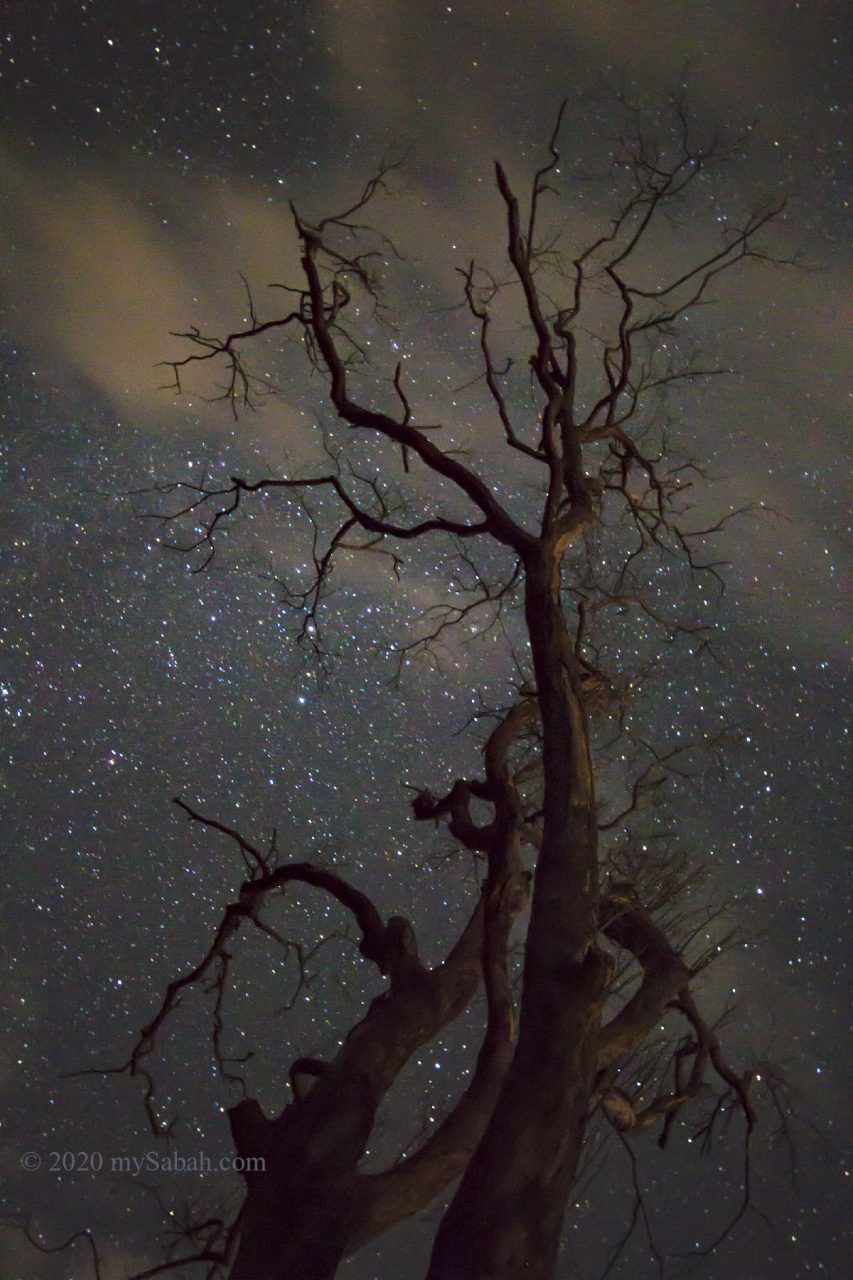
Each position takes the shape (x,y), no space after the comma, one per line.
(440,73)
(94,285)
(102,267)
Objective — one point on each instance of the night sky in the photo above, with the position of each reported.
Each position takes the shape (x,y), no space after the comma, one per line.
(148,152)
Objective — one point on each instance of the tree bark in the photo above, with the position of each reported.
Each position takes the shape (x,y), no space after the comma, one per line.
(506,1218)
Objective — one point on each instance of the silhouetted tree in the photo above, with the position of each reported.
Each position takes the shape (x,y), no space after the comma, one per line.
(607,947)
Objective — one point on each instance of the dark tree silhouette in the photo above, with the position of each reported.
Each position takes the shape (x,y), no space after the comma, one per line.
(607,939)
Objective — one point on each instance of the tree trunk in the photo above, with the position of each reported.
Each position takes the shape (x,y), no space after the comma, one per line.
(304,1205)
(506,1219)
(295,1219)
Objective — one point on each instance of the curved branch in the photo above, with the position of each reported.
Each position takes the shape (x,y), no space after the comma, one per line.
(391,946)
(624,921)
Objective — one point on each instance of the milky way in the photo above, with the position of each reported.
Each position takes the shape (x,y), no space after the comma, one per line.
(148,154)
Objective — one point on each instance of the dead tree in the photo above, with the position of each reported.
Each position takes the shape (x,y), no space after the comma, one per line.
(598,320)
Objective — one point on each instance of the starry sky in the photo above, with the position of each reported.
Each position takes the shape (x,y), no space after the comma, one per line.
(148,153)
